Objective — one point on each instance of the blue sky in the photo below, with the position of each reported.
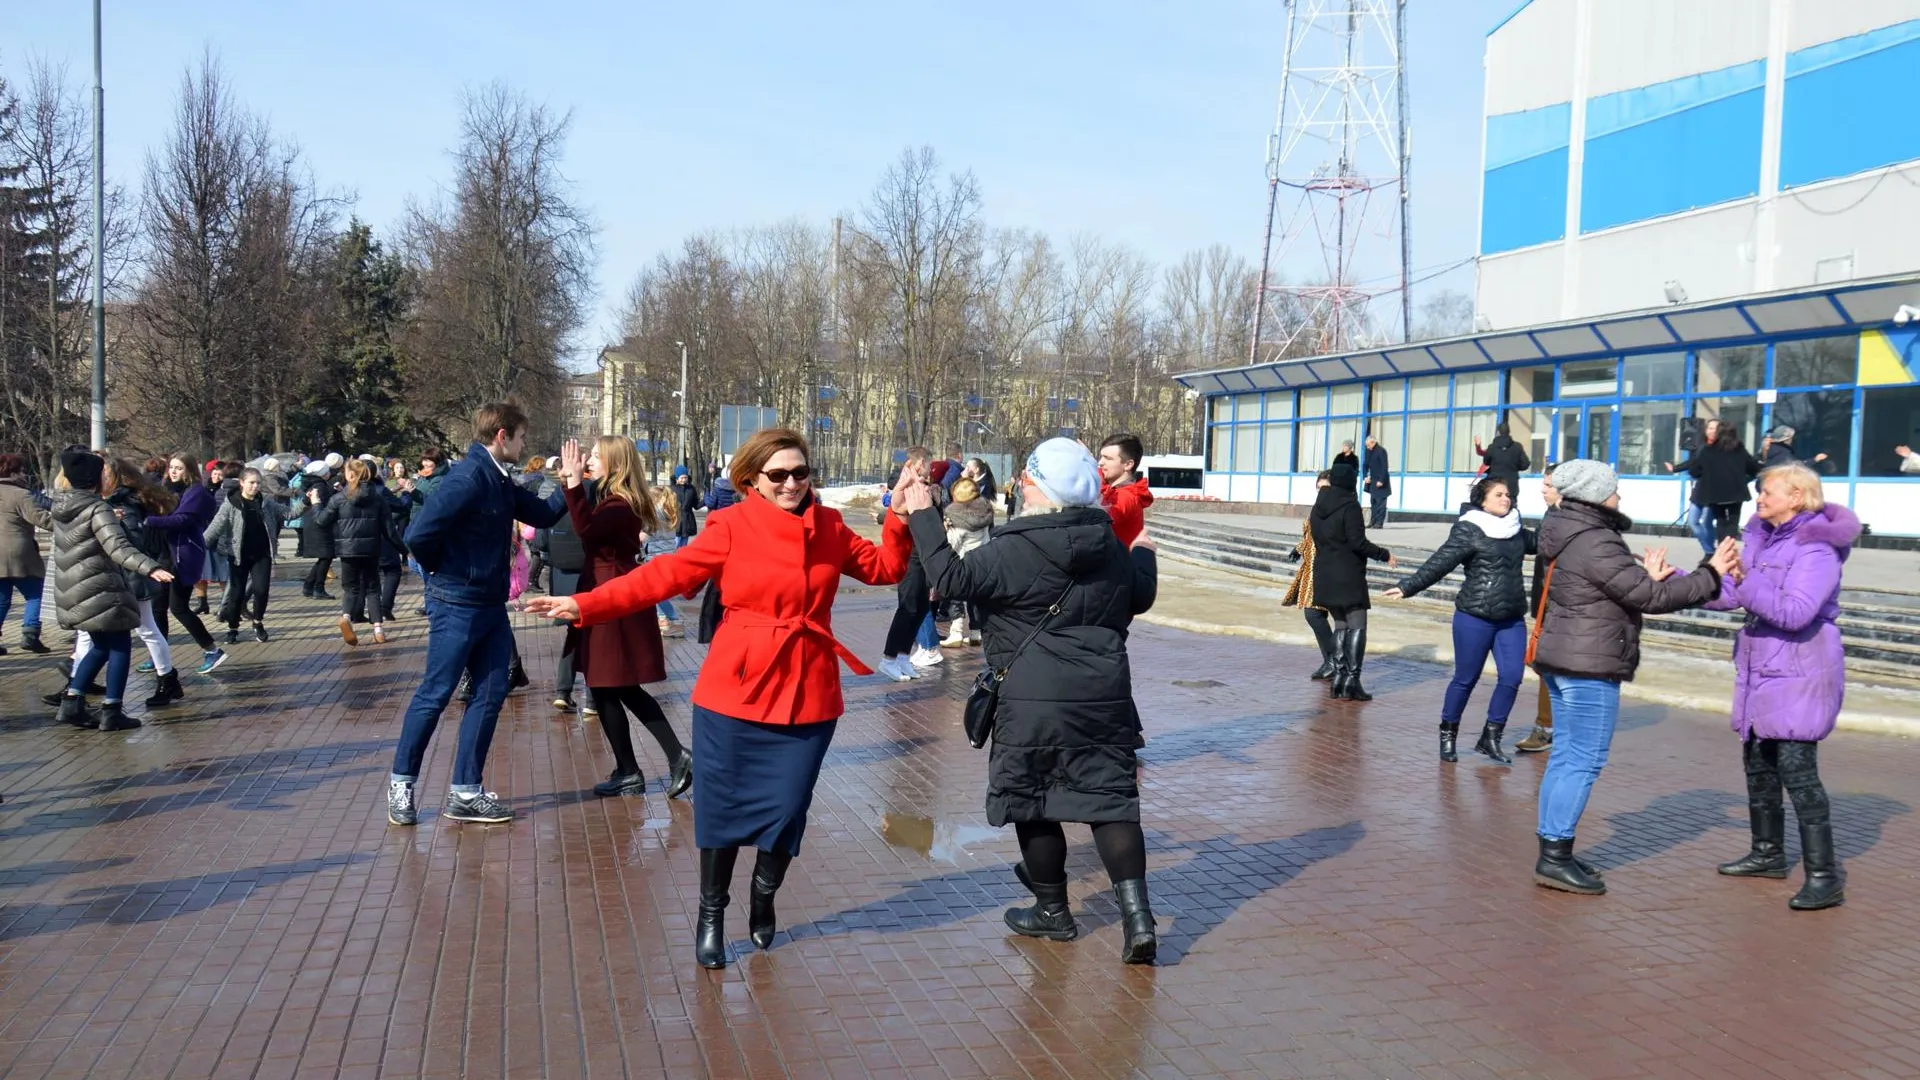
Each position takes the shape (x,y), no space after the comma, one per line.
(1144,122)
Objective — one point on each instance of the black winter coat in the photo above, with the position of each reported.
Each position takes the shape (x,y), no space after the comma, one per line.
(1378,475)
(316,538)
(1063,738)
(358,524)
(1724,474)
(1598,593)
(1495,588)
(687,499)
(393,546)
(1506,459)
(1340,551)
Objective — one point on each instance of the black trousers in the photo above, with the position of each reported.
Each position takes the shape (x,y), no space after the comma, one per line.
(389,588)
(1377,503)
(359,579)
(1726,521)
(317,577)
(248,579)
(179,602)
(912,611)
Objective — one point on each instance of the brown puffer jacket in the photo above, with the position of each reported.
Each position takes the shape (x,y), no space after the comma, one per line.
(1599,592)
(92,557)
(19,548)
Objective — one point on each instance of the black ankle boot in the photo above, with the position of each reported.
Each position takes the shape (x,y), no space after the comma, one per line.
(710,934)
(30,641)
(769,871)
(1768,857)
(1489,743)
(166,691)
(1353,657)
(1558,869)
(681,778)
(465,692)
(517,676)
(1138,943)
(113,719)
(1049,917)
(1449,740)
(74,711)
(1823,889)
(1323,635)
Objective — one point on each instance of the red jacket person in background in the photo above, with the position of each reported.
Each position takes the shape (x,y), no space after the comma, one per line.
(768,697)
(1124,492)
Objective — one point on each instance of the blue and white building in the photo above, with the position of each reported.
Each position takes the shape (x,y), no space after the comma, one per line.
(1690,209)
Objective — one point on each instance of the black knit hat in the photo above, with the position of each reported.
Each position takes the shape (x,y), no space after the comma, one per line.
(1344,476)
(82,469)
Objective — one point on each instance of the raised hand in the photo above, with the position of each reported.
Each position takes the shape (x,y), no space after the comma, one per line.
(1656,564)
(909,478)
(1726,557)
(562,608)
(573,464)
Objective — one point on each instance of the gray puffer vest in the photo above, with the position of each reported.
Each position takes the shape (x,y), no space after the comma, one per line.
(92,557)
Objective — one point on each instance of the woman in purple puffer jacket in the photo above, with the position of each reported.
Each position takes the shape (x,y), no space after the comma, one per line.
(1789,672)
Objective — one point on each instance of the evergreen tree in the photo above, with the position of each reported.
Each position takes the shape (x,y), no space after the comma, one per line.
(358,402)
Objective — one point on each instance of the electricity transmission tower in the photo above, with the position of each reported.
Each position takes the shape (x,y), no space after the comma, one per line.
(1339,154)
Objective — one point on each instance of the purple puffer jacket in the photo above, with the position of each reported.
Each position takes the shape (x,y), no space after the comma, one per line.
(186,528)
(1789,667)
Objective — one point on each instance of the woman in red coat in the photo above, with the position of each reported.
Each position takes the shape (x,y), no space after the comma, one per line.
(768,697)
(619,655)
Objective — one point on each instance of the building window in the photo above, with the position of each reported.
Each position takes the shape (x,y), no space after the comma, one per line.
(1468,425)
(1426,443)
(1890,417)
(1591,378)
(1531,428)
(1349,400)
(1313,402)
(1827,361)
(1343,431)
(1650,436)
(1222,409)
(1742,367)
(1280,405)
(1427,392)
(1246,447)
(1657,375)
(1741,412)
(1822,423)
(1219,447)
(1388,430)
(1246,407)
(1311,455)
(1479,390)
(1389,395)
(1530,386)
(1277,456)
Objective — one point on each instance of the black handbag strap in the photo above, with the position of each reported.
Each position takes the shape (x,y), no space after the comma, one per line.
(1037,630)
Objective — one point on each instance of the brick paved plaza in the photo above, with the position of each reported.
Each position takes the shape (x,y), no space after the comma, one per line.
(219,895)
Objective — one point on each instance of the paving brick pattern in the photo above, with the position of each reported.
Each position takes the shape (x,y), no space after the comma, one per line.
(218,895)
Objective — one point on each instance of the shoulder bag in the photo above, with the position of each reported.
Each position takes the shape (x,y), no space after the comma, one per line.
(1540,617)
(984,701)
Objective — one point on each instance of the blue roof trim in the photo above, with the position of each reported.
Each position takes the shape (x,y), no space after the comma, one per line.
(1524,5)
(1840,50)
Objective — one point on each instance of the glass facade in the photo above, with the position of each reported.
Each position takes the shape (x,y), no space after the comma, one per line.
(1641,411)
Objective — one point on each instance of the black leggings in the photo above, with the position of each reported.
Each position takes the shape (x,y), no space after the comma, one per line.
(1350,619)
(317,577)
(359,580)
(253,579)
(915,601)
(180,604)
(614,703)
(1773,764)
(389,589)
(1726,521)
(1043,847)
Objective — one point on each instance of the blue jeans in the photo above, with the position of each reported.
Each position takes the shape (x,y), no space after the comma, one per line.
(460,639)
(1584,714)
(1473,639)
(30,588)
(928,637)
(113,650)
(1700,520)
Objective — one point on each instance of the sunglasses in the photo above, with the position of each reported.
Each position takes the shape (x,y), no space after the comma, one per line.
(779,476)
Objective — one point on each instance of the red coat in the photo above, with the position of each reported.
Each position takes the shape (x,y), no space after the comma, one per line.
(774,659)
(625,651)
(1128,504)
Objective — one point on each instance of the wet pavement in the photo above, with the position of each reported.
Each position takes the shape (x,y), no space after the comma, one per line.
(219,895)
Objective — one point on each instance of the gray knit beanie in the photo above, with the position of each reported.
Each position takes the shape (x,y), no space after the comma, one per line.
(1586,480)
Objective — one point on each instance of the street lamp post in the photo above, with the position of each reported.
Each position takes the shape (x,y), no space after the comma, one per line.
(99,427)
(685,459)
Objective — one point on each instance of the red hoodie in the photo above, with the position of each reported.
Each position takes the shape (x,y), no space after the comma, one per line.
(1128,504)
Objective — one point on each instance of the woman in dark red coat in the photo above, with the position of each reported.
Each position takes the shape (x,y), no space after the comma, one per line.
(619,655)
(768,697)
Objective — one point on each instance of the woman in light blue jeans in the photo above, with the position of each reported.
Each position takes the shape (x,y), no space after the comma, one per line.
(1589,643)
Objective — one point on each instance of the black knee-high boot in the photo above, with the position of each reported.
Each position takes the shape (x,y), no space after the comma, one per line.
(769,871)
(1766,814)
(1323,634)
(710,934)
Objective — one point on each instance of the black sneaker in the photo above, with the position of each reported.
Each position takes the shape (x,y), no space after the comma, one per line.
(233,635)
(400,806)
(562,703)
(485,806)
(620,783)
(260,632)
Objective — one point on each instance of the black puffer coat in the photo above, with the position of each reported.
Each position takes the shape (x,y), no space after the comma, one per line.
(1495,588)
(359,523)
(1724,471)
(1063,741)
(92,558)
(1340,546)
(316,539)
(1506,459)
(1598,592)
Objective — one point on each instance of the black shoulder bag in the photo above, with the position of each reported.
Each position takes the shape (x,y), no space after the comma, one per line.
(984,702)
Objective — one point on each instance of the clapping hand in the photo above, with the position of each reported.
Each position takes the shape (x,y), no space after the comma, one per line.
(562,608)
(573,464)
(1726,558)
(911,492)
(1655,561)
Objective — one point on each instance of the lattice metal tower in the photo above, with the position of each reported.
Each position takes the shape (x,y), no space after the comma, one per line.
(1340,154)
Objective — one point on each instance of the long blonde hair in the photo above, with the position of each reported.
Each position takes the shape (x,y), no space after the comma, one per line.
(666,505)
(620,475)
(358,473)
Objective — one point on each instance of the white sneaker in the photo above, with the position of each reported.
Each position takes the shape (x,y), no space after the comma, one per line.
(926,658)
(890,668)
(953,641)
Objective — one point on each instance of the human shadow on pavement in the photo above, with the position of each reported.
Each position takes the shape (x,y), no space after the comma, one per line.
(1859,821)
(258,781)
(1198,893)
(157,901)
(1230,739)
(885,750)
(15,877)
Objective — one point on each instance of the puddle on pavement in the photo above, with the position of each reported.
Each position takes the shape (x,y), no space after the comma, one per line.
(660,823)
(942,841)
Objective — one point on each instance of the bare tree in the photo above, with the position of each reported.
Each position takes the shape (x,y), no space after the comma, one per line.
(505,262)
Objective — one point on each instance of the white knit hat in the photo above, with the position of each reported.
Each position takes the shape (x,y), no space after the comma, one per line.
(334,461)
